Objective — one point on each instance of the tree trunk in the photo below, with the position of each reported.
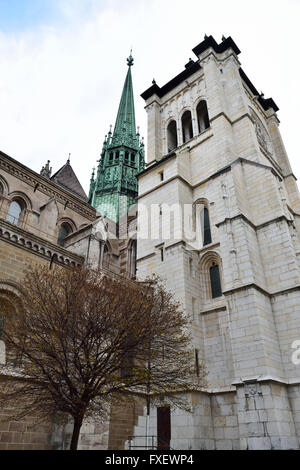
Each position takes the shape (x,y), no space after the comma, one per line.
(76,432)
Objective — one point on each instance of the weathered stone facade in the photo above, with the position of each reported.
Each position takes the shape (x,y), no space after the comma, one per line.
(238,169)
(213,145)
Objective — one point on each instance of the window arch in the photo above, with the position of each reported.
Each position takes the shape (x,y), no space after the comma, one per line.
(187,126)
(202,116)
(64,231)
(211,276)
(172,136)
(15,211)
(201,222)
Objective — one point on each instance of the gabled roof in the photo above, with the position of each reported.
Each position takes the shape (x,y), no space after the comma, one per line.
(67,178)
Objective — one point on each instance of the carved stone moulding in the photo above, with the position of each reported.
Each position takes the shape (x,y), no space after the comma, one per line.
(38,248)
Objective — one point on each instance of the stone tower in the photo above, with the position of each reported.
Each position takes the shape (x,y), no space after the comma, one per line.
(114,190)
(233,260)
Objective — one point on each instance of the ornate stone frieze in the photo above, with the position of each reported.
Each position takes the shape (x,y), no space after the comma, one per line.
(37,245)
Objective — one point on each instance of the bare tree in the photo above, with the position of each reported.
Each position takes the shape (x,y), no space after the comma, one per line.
(86,339)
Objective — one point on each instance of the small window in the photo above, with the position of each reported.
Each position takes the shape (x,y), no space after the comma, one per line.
(14,213)
(162,254)
(215,281)
(133,255)
(194,308)
(132,158)
(162,176)
(126,157)
(191,267)
(172,136)
(111,156)
(197,367)
(64,231)
(117,156)
(202,116)
(205,225)
(187,126)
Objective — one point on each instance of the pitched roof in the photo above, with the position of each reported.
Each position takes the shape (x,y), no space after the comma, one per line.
(67,178)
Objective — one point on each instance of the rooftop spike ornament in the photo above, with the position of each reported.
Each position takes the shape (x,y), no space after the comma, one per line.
(130,60)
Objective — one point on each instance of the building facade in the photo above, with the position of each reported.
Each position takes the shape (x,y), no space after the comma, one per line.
(229,201)
(218,212)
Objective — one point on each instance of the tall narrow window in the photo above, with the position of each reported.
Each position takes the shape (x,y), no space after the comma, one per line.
(105,260)
(215,281)
(14,213)
(205,227)
(162,255)
(132,254)
(172,136)
(202,116)
(197,367)
(132,159)
(1,189)
(187,126)
(126,157)
(64,231)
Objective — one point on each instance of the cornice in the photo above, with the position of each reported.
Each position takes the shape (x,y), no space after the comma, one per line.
(38,246)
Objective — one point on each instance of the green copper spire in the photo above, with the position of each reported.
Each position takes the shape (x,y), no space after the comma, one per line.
(125,129)
(115,189)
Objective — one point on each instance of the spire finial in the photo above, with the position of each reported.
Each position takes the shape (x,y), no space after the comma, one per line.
(69,159)
(130,60)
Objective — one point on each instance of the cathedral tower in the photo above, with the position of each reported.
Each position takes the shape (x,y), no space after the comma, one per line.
(233,261)
(114,190)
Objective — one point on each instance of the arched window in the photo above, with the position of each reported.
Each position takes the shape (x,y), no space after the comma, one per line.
(205,227)
(64,231)
(210,276)
(187,126)
(106,257)
(132,258)
(215,281)
(172,136)
(202,116)
(111,157)
(15,212)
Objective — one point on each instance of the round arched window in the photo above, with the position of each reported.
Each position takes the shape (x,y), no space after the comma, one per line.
(64,231)
(14,213)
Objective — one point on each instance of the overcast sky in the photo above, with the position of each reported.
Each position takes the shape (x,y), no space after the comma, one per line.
(63,65)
